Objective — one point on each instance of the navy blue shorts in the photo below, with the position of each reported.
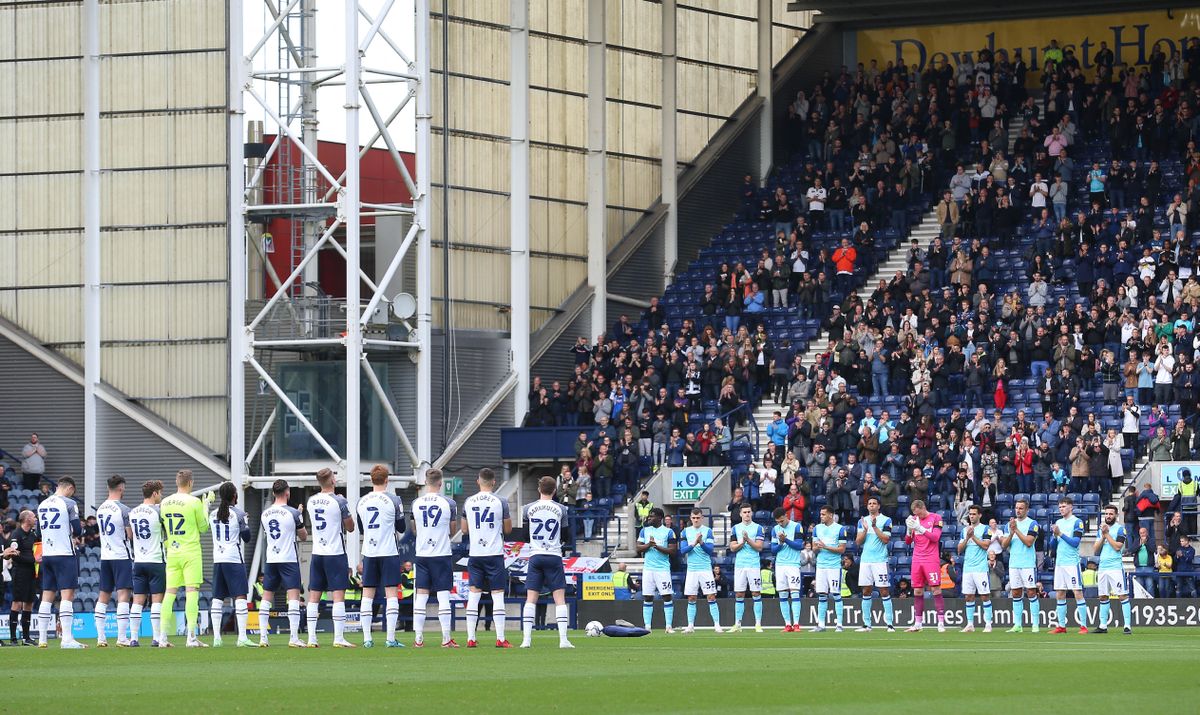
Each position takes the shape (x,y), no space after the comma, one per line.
(545,573)
(434,573)
(149,579)
(328,573)
(381,571)
(116,574)
(286,575)
(487,573)
(60,573)
(229,580)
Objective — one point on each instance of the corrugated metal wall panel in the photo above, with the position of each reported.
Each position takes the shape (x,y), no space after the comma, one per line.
(46,29)
(559,17)
(47,202)
(640,276)
(44,145)
(558,362)
(174,254)
(557,64)
(176,139)
(54,316)
(38,399)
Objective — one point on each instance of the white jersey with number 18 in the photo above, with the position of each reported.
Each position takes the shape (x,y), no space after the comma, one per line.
(146,524)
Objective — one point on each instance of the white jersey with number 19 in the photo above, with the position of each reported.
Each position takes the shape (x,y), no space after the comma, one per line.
(434,516)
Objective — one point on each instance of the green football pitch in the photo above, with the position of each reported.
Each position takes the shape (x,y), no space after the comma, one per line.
(747,672)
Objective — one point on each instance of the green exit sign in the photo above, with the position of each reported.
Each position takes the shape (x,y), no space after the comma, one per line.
(452,487)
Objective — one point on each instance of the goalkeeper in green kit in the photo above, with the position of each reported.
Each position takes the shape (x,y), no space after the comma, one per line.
(185,520)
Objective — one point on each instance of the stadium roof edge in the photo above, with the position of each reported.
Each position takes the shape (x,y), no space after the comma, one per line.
(884,13)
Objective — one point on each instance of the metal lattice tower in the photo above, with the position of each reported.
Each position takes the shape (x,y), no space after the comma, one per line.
(325,202)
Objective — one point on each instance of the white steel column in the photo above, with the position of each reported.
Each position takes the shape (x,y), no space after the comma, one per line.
(238,253)
(518,87)
(91,245)
(597,174)
(311,228)
(350,207)
(766,120)
(670,164)
(424,239)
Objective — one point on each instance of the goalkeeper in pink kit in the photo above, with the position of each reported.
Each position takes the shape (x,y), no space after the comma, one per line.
(925,534)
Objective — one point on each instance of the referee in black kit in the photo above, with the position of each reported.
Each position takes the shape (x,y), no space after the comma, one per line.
(19,550)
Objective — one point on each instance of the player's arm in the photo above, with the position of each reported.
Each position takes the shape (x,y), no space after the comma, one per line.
(1027,538)
(797,544)
(347,520)
(671,547)
(966,539)
(1074,537)
(301,532)
(934,533)
(685,547)
(243,527)
(777,542)
(73,520)
(400,522)
(757,543)
(734,544)
(506,517)
(453,520)
(643,543)
(861,534)
(885,534)
(840,547)
(200,514)
(463,526)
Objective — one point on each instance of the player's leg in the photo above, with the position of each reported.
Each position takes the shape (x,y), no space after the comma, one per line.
(970,607)
(193,576)
(714,611)
(1018,601)
(443,580)
(100,613)
(391,614)
(1105,612)
(691,591)
(562,614)
(174,583)
(14,619)
(918,607)
(1060,602)
(264,608)
(474,595)
(1034,606)
(420,601)
(500,617)
(339,616)
(66,618)
(124,598)
(1081,610)
(868,602)
(836,594)
(939,604)
(821,586)
(889,614)
(45,611)
(667,591)
(365,606)
(317,584)
(785,606)
(528,614)
(756,599)
(293,612)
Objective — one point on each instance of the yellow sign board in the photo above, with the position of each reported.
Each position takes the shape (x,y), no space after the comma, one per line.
(598,587)
(1130,36)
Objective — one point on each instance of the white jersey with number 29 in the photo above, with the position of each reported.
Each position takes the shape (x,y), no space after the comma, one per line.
(545,519)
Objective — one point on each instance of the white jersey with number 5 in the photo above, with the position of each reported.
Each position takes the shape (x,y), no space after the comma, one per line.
(112,517)
(281,522)
(146,523)
(380,514)
(326,511)
(228,535)
(485,514)
(545,518)
(434,516)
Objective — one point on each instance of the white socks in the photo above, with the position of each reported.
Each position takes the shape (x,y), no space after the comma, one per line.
(156,621)
(528,614)
(66,616)
(420,603)
(563,615)
(314,610)
(444,612)
(472,613)
(339,621)
(101,616)
(45,611)
(498,613)
(365,606)
(294,619)
(391,614)
(216,613)
(135,621)
(122,621)
(264,620)
(241,610)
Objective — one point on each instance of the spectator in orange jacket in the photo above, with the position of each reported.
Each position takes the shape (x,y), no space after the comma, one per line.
(844,258)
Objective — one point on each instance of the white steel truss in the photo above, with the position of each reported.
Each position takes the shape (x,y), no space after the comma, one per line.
(341,205)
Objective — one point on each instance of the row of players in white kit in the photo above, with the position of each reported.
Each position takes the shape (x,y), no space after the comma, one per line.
(380,517)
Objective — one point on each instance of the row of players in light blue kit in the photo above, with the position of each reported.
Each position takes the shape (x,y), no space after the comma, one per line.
(697,543)
(380,518)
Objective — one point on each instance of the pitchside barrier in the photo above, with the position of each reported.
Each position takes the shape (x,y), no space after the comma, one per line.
(1150,612)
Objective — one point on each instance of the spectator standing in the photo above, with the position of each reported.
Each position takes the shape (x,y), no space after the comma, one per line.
(33,462)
